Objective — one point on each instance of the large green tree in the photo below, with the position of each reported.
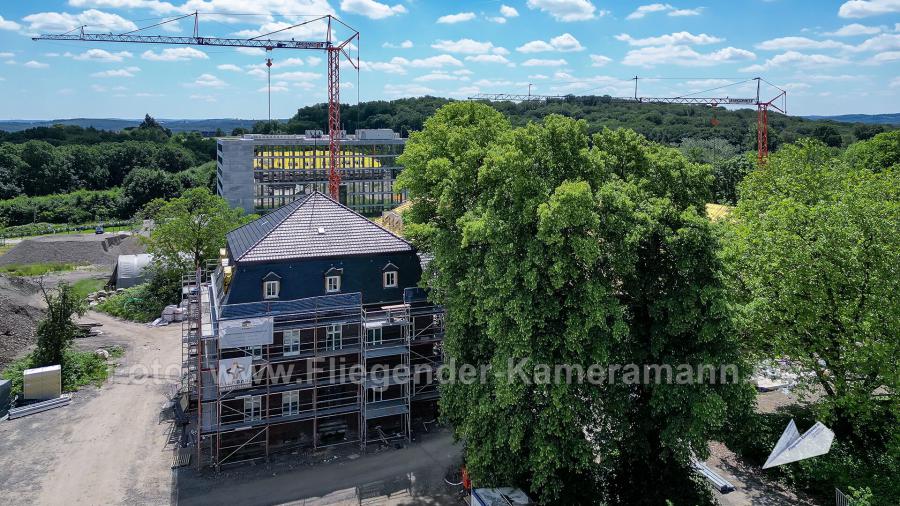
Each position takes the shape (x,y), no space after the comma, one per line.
(814,252)
(558,249)
(142,185)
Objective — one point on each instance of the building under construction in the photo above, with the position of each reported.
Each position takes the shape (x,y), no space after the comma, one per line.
(310,331)
(260,173)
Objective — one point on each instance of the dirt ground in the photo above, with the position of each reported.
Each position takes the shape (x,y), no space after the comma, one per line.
(110,447)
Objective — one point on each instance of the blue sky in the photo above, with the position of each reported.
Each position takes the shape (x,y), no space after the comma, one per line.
(833,57)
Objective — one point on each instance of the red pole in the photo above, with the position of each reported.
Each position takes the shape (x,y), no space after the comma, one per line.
(334,121)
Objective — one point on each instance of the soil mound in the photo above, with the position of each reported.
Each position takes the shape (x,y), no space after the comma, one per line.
(81,249)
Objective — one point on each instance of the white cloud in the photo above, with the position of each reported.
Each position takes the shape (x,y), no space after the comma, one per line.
(885,57)
(62,21)
(6,24)
(866,8)
(441,76)
(685,12)
(538,76)
(265,9)
(895,82)
(670,39)
(257,72)
(643,10)
(208,81)
(684,56)
(6,54)
(438,61)
(598,60)
(565,10)
(450,19)
(795,59)
(407,90)
(563,43)
(251,51)
(467,46)
(289,62)
(395,66)
(796,86)
(497,19)
(371,9)
(144,94)
(489,58)
(508,12)
(276,88)
(153,5)
(32,64)
(298,76)
(406,44)
(854,29)
(175,54)
(312,61)
(883,42)
(314,30)
(126,72)
(537,62)
(230,67)
(102,55)
(784,43)
(204,98)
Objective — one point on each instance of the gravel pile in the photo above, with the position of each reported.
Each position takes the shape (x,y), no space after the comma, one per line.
(19,315)
(85,249)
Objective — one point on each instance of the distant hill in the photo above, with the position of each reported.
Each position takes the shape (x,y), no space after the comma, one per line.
(115,124)
(879,119)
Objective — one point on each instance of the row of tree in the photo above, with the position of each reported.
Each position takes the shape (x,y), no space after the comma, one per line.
(553,247)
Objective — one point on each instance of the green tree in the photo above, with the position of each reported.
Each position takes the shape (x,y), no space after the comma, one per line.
(44,171)
(828,135)
(86,166)
(11,167)
(143,185)
(876,154)
(191,229)
(57,330)
(728,173)
(174,158)
(707,150)
(864,132)
(813,251)
(554,248)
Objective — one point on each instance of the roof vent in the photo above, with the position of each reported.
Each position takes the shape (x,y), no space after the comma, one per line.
(321,230)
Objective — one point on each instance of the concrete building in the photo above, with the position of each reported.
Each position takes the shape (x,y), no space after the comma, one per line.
(300,335)
(259,173)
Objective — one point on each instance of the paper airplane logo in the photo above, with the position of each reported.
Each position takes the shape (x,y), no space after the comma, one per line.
(792,447)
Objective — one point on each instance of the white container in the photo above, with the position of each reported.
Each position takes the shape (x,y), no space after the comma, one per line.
(43,383)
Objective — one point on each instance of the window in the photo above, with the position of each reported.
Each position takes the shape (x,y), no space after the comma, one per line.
(375,395)
(333,337)
(291,343)
(252,408)
(373,336)
(332,284)
(390,279)
(271,289)
(255,351)
(290,403)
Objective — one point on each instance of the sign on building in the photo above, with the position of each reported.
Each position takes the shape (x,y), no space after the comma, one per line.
(245,332)
(236,372)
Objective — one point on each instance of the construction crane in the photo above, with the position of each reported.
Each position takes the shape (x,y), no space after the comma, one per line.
(778,103)
(334,50)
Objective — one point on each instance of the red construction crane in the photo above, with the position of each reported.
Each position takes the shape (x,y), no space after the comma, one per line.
(334,50)
(762,107)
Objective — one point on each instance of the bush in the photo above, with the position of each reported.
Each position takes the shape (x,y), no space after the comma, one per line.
(81,206)
(136,304)
(82,368)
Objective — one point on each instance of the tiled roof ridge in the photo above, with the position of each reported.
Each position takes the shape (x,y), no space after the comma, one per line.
(297,205)
(366,220)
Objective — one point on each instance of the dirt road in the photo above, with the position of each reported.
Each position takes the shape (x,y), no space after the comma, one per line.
(107,447)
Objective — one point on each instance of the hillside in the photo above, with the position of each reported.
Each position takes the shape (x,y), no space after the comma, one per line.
(878,119)
(115,124)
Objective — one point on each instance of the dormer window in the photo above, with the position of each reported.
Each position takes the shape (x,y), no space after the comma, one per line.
(332,284)
(271,286)
(389,276)
(271,289)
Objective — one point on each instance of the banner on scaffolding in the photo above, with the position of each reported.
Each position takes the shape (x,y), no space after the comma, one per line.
(235,372)
(245,332)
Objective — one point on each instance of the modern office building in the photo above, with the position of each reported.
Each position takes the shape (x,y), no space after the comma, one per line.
(259,173)
(300,335)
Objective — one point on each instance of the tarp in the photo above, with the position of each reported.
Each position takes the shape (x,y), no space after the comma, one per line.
(235,372)
(245,332)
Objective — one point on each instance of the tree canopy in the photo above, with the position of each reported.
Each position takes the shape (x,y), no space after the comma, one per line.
(557,248)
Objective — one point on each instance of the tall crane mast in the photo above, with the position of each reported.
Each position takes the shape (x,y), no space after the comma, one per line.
(334,50)
(777,103)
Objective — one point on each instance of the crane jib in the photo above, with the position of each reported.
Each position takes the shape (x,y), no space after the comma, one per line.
(199,41)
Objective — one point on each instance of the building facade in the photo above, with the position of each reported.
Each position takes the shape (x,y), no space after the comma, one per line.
(311,331)
(260,173)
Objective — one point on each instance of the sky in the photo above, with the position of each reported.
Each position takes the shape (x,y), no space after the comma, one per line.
(832,57)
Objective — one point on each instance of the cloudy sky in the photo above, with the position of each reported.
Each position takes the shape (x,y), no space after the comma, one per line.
(833,57)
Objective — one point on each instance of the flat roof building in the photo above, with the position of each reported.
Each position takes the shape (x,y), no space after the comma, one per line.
(259,173)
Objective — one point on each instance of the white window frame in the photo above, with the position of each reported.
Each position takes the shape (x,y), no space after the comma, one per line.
(374,336)
(290,343)
(252,408)
(389,279)
(275,289)
(332,284)
(334,337)
(290,403)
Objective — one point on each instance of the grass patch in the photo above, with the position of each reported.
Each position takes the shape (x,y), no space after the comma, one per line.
(38,269)
(135,304)
(82,368)
(83,287)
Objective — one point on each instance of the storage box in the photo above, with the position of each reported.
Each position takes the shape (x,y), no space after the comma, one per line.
(43,383)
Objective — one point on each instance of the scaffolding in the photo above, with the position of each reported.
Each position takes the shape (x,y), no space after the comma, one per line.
(341,373)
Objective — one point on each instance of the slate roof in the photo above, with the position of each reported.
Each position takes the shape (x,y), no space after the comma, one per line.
(313,226)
